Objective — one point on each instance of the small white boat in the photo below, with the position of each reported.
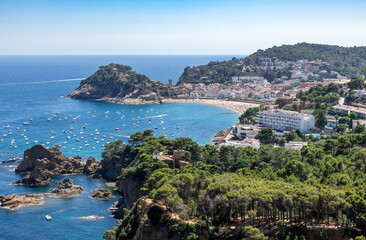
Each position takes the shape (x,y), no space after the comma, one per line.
(48,217)
(25,123)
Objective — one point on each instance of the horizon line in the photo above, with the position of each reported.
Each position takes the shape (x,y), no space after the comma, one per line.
(123,55)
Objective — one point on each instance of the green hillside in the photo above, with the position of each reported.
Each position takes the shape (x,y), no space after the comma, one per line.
(348,61)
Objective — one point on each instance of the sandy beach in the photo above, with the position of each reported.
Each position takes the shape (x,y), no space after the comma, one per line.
(239,107)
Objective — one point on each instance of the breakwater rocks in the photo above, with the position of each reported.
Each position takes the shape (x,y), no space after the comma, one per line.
(66,189)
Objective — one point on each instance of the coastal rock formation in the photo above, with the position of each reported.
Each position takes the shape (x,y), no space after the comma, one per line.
(11,160)
(152,218)
(111,168)
(102,194)
(66,188)
(93,168)
(117,83)
(37,177)
(49,159)
(220,136)
(14,201)
(130,190)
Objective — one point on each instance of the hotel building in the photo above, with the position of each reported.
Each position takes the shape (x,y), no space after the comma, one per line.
(286,120)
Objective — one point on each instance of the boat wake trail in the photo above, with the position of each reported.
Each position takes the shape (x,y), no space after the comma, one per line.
(62,210)
(158,116)
(89,218)
(40,82)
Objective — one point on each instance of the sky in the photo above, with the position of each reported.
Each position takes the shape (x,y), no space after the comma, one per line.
(175,27)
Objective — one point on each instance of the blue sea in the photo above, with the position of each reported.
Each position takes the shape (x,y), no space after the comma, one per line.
(32,90)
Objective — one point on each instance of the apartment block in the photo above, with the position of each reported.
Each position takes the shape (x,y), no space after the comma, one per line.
(286,120)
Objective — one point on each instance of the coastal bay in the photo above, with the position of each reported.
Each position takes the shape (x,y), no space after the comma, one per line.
(24,98)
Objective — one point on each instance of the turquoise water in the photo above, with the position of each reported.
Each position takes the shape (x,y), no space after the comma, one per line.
(31,87)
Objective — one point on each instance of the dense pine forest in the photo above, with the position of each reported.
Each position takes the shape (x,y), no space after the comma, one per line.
(236,193)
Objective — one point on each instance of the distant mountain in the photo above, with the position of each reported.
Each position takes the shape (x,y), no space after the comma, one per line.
(118,83)
(348,61)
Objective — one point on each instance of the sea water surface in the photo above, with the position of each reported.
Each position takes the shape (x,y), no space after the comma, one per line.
(32,90)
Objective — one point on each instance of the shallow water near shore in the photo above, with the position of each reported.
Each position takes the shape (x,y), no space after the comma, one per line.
(31,90)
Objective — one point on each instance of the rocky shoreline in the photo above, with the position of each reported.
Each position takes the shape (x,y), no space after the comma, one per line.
(124,101)
(40,163)
(15,201)
(65,189)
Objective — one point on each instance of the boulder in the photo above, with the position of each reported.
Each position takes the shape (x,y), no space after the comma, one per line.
(93,168)
(66,188)
(102,194)
(37,177)
(14,201)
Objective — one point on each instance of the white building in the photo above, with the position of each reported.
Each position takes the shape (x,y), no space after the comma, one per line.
(247,142)
(245,131)
(345,109)
(295,145)
(246,79)
(286,120)
(331,124)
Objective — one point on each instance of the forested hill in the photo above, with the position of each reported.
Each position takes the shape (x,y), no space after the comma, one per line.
(213,72)
(348,61)
(118,83)
(114,73)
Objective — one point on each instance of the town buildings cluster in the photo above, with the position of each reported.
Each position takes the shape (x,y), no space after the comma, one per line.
(303,74)
(279,93)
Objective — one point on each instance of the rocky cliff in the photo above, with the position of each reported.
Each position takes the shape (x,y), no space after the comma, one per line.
(117,83)
(148,220)
(130,190)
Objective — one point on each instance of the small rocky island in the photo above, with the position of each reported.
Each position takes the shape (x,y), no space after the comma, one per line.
(117,83)
(40,163)
(102,194)
(15,201)
(66,189)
